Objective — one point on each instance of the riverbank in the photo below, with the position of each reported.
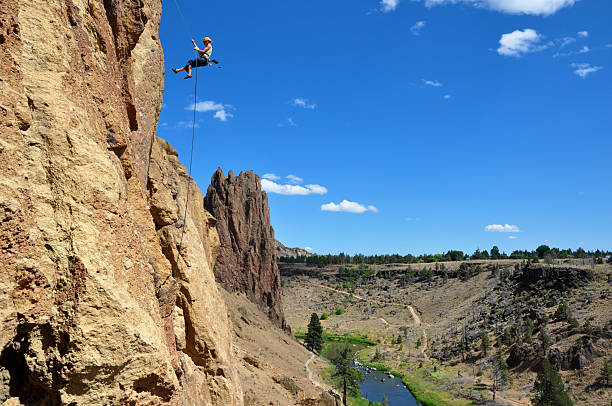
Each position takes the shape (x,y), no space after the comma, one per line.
(426,392)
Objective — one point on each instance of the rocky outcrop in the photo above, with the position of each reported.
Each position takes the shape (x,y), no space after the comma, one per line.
(562,277)
(247,259)
(283,252)
(576,357)
(97,307)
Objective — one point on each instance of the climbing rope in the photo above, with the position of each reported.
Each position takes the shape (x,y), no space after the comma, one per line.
(193,125)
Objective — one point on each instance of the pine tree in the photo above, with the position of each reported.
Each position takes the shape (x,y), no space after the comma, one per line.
(314,336)
(485,343)
(500,372)
(548,388)
(606,372)
(349,376)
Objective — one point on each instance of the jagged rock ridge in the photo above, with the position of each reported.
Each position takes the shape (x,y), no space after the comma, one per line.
(283,251)
(247,259)
(97,308)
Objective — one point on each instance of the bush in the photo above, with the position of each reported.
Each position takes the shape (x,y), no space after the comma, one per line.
(339,311)
(479,373)
(324,316)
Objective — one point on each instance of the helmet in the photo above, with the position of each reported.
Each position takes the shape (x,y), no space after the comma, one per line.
(207,39)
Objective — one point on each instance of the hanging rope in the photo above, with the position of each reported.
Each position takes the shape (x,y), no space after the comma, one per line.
(193,125)
(183,19)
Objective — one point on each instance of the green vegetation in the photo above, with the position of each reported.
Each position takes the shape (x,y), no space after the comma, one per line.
(339,311)
(314,336)
(485,343)
(548,388)
(606,372)
(349,339)
(542,252)
(346,376)
(324,316)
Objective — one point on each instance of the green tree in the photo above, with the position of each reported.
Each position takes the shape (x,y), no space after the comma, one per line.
(542,251)
(528,330)
(507,337)
(349,377)
(606,372)
(314,336)
(548,388)
(419,342)
(495,254)
(485,343)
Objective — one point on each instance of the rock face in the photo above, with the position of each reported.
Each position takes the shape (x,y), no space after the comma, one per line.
(282,251)
(97,307)
(247,259)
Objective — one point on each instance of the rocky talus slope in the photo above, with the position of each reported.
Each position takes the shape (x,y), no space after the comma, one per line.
(247,260)
(97,307)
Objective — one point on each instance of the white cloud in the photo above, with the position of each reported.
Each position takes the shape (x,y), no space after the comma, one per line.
(417,27)
(609,46)
(563,42)
(512,237)
(220,109)
(583,34)
(348,207)
(308,248)
(447,96)
(519,43)
(585,69)
(270,176)
(433,83)
(187,124)
(584,50)
(300,102)
(295,179)
(535,7)
(499,228)
(292,190)
(291,122)
(164,124)
(387,6)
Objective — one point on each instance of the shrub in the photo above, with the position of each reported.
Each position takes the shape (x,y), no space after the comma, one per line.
(479,373)
(324,316)
(339,311)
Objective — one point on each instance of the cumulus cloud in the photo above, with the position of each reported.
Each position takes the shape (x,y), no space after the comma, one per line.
(583,34)
(221,110)
(417,27)
(585,69)
(292,190)
(535,7)
(433,83)
(505,228)
(348,207)
(387,6)
(270,176)
(519,43)
(300,102)
(308,248)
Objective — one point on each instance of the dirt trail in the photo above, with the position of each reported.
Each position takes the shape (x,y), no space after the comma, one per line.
(306,364)
(413,313)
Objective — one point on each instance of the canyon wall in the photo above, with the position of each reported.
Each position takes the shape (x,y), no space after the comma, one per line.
(97,306)
(247,259)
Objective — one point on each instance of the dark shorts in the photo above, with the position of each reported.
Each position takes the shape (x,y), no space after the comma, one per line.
(197,63)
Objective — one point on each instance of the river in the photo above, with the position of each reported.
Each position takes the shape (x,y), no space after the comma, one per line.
(377,384)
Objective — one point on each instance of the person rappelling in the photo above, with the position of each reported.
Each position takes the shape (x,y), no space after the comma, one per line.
(202,60)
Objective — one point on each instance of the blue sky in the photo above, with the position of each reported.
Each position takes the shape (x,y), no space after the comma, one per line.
(431,119)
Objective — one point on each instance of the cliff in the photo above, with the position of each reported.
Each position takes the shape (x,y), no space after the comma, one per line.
(97,307)
(285,252)
(247,259)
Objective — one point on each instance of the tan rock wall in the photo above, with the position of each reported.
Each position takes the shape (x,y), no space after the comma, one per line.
(88,293)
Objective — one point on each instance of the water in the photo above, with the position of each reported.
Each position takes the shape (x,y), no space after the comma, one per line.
(374,389)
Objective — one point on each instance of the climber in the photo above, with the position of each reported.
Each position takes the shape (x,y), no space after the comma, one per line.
(202,60)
